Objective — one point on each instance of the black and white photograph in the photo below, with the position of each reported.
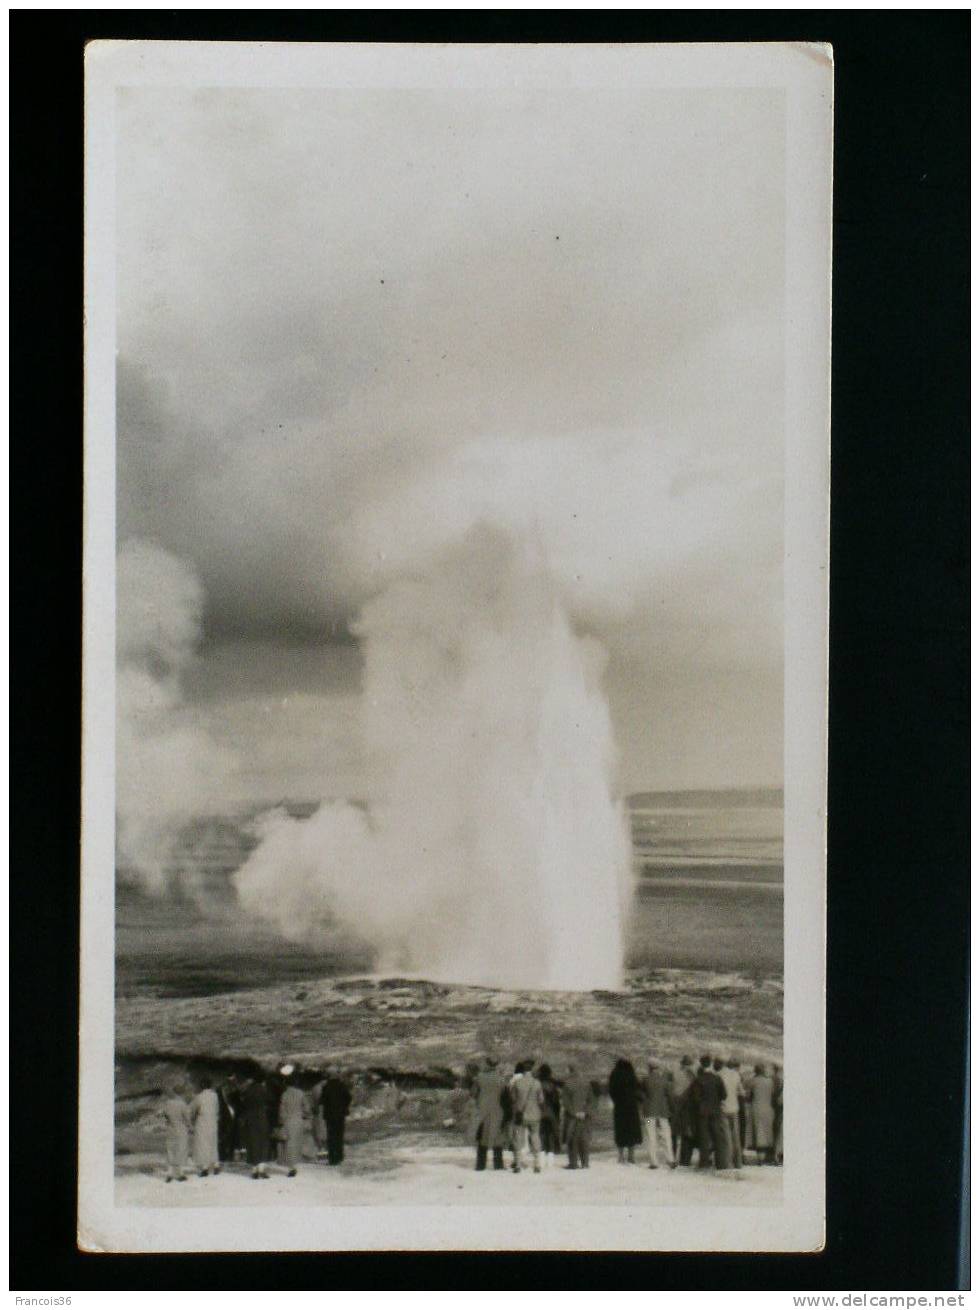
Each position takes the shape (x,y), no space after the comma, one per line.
(457,461)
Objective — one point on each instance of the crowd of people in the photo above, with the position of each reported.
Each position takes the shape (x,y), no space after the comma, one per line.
(259,1120)
(709,1116)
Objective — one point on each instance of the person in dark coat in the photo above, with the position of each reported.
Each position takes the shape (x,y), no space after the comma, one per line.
(777,1106)
(227,1113)
(335,1101)
(708,1093)
(255,1102)
(490,1094)
(683,1123)
(550,1115)
(624,1089)
(578,1102)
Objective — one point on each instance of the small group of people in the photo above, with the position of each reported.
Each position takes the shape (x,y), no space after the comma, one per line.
(712,1111)
(262,1119)
(531,1111)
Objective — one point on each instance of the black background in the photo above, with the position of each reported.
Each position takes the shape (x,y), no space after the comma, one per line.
(898,888)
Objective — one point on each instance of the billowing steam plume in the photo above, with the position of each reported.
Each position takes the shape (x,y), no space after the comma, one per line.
(497,854)
(168,769)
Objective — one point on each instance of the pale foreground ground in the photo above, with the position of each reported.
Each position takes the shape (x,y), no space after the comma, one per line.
(427,1174)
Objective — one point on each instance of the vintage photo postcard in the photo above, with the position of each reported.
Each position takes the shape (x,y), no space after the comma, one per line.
(456,504)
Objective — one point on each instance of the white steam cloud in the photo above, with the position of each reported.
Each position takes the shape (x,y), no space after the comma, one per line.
(498,854)
(168,769)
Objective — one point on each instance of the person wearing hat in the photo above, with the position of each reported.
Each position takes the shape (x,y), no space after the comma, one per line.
(293,1112)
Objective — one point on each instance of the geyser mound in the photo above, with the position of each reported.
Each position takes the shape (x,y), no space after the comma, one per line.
(498,855)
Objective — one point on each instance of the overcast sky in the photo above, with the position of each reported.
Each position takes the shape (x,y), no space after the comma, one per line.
(353,323)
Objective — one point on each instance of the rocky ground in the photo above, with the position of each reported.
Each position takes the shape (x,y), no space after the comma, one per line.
(407,1025)
(406,1042)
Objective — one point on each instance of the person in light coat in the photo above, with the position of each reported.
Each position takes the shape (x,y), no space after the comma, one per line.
(294,1111)
(761,1114)
(732,1079)
(177,1118)
(204,1119)
(657,1108)
(527,1100)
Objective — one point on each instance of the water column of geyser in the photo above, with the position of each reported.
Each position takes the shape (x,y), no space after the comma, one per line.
(497,855)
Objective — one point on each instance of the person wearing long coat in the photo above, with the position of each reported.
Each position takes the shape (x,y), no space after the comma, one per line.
(336,1101)
(707,1095)
(777,1101)
(294,1110)
(624,1089)
(761,1113)
(550,1115)
(657,1092)
(578,1103)
(177,1117)
(683,1122)
(204,1119)
(489,1088)
(227,1114)
(318,1123)
(255,1127)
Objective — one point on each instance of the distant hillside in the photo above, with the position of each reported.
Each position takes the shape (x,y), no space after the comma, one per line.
(731,798)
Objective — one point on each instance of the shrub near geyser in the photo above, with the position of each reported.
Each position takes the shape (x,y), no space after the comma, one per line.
(497,855)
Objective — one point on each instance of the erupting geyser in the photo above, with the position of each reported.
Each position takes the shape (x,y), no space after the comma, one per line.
(497,854)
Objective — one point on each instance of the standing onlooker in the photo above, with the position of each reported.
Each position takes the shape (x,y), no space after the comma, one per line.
(777,1109)
(204,1119)
(550,1115)
(461,1103)
(177,1117)
(256,1098)
(658,1108)
(293,1112)
(761,1114)
(489,1089)
(732,1080)
(318,1124)
(708,1092)
(227,1113)
(514,1120)
(336,1101)
(624,1089)
(578,1105)
(683,1125)
(527,1100)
